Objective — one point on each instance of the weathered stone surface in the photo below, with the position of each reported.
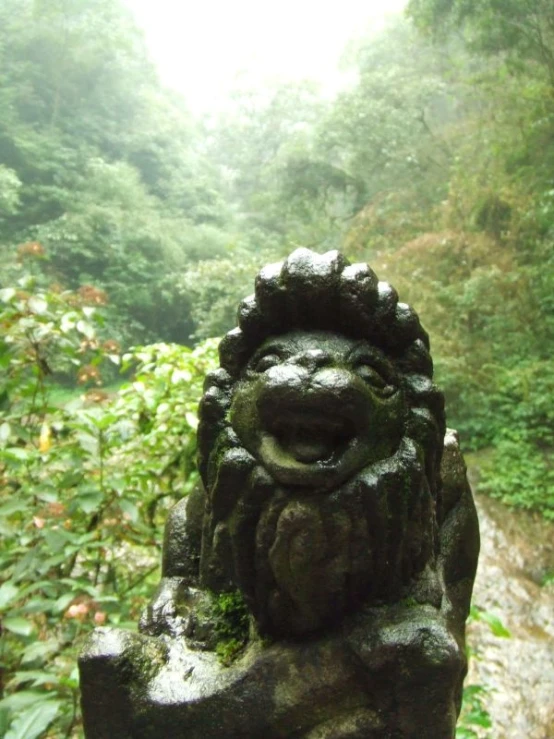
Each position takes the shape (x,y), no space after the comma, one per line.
(330,510)
(518,672)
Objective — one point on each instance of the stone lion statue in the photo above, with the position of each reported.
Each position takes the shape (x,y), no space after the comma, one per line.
(336,504)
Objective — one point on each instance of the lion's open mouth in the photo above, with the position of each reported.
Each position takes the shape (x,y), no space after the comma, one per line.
(308,440)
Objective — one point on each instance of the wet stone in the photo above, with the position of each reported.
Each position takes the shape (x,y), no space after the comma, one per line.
(316,585)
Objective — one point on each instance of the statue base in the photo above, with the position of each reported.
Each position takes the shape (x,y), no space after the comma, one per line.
(390,672)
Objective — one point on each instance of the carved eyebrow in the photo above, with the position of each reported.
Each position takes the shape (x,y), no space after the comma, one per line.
(364,352)
(272,348)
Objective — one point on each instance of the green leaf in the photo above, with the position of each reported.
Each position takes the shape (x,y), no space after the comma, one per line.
(463,733)
(62,602)
(56,539)
(47,495)
(478,718)
(37,605)
(70,479)
(32,722)
(37,304)
(89,502)
(74,676)
(7,294)
(39,650)
(8,592)
(130,509)
(68,320)
(17,702)
(89,443)
(495,624)
(18,625)
(15,454)
(5,431)
(86,329)
(13,506)
(4,720)
(192,420)
(36,677)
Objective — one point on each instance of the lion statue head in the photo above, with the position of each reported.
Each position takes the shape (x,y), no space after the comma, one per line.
(320,443)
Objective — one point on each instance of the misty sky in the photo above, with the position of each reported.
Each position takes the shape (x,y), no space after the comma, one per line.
(200,48)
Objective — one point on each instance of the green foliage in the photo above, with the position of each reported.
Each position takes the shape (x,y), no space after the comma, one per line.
(520,397)
(299,168)
(119,237)
(216,287)
(520,475)
(523,30)
(10,186)
(548,579)
(101,165)
(162,401)
(34,721)
(386,130)
(495,625)
(474,717)
(85,488)
(475,720)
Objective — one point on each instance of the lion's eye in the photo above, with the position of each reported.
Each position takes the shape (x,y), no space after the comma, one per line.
(266,362)
(370,375)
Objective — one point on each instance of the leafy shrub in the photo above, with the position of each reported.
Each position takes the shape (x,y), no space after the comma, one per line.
(84,486)
(475,720)
(474,717)
(518,469)
(520,475)
(214,288)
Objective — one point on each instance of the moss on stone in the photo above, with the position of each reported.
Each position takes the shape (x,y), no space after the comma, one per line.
(230,620)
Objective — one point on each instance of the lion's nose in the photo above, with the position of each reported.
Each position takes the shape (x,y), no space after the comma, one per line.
(312,359)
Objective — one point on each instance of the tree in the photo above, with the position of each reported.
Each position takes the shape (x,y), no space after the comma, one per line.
(10,185)
(101,165)
(260,146)
(523,29)
(389,132)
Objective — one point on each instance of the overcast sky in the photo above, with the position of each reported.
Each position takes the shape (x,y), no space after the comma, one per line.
(201,47)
